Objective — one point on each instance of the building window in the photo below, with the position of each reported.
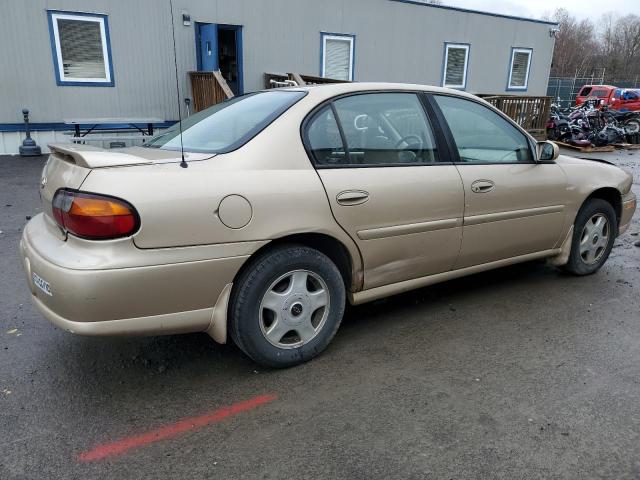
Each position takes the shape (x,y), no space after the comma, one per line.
(80,48)
(519,69)
(337,52)
(456,61)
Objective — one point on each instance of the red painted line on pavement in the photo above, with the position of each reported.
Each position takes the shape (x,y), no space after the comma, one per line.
(169,431)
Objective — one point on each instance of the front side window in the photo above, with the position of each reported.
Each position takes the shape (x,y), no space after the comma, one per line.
(481,135)
(456,58)
(378,128)
(337,56)
(519,70)
(227,125)
(80,48)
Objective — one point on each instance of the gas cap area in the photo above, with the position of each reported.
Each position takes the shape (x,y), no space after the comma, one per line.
(235,211)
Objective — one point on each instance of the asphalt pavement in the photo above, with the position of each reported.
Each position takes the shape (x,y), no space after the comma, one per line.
(523,372)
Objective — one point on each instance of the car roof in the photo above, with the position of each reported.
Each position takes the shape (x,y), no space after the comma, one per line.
(328,90)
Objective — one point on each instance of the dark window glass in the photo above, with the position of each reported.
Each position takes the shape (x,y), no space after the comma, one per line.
(227,125)
(386,128)
(324,139)
(481,135)
(585,91)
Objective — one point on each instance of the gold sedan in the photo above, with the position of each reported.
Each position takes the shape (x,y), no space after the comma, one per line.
(290,203)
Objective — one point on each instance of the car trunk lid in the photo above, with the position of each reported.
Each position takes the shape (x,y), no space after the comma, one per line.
(70,164)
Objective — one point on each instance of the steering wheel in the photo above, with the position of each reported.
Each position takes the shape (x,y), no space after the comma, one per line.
(406,139)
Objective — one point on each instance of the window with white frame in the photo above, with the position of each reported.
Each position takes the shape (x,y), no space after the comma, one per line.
(337,56)
(519,69)
(456,60)
(80,48)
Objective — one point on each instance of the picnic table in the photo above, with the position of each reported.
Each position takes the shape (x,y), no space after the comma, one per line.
(91,124)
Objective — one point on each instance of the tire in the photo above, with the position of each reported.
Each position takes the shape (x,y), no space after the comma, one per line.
(277,316)
(632,126)
(592,244)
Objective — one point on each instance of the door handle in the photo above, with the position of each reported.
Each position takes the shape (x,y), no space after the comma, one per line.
(352,197)
(482,186)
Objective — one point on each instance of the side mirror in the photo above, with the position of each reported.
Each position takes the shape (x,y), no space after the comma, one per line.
(547,151)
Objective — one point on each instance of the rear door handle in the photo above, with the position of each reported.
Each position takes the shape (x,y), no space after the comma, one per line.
(352,197)
(482,186)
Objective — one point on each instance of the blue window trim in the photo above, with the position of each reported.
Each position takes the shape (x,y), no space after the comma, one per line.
(444,64)
(54,53)
(478,12)
(353,51)
(509,88)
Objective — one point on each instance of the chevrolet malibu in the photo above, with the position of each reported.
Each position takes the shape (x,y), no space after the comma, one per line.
(259,218)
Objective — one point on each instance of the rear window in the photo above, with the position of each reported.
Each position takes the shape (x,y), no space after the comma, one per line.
(227,125)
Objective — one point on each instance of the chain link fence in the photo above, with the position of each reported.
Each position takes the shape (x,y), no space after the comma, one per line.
(565,89)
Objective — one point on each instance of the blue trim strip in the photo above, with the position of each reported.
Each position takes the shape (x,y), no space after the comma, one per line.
(352,36)
(508,88)
(56,67)
(466,64)
(64,127)
(479,12)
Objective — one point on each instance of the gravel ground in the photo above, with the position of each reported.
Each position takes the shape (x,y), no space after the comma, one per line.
(521,372)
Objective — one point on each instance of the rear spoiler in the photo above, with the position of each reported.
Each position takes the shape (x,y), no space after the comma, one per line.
(93,157)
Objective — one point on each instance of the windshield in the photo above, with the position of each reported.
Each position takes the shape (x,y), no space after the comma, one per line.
(227,125)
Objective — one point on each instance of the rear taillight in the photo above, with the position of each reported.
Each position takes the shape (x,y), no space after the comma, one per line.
(92,216)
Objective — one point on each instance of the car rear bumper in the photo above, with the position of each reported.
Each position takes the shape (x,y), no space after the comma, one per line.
(629,203)
(165,298)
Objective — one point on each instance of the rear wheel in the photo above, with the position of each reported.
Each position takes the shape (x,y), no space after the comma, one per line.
(287,306)
(632,126)
(594,232)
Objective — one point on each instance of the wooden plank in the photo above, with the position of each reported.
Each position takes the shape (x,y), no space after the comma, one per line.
(223,84)
(627,146)
(608,148)
(296,77)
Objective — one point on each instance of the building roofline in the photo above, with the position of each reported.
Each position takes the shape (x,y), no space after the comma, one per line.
(479,12)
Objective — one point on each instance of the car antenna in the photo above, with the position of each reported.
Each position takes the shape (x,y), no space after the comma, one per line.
(183,162)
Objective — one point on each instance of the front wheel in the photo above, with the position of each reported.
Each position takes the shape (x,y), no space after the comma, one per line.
(286,306)
(594,232)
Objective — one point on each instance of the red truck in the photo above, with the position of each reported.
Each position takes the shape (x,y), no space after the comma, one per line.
(622,99)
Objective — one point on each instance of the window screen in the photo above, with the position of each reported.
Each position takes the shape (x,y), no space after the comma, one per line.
(455,72)
(520,60)
(80,48)
(337,57)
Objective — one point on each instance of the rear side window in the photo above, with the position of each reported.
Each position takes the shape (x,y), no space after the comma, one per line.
(600,93)
(323,137)
(585,91)
(378,129)
(227,125)
(481,135)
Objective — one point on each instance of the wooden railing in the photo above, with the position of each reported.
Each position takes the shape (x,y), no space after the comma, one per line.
(208,88)
(276,80)
(531,113)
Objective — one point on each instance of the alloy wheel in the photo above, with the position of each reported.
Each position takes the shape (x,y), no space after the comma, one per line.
(594,238)
(294,309)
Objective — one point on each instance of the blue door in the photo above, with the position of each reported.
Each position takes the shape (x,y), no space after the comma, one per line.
(208,41)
